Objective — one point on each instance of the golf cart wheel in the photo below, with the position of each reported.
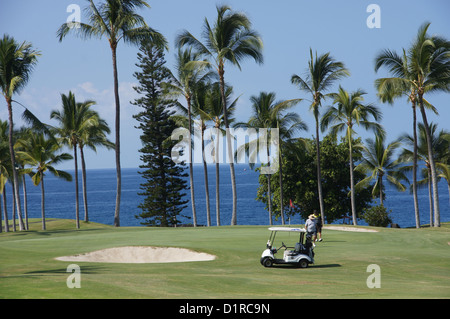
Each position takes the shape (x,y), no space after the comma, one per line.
(267,262)
(303,263)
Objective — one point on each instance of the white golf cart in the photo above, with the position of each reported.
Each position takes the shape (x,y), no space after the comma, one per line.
(301,254)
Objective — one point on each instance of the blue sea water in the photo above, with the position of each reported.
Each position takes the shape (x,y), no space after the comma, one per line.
(101,186)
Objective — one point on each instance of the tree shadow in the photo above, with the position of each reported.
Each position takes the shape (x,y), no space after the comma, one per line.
(83,270)
(48,272)
(57,271)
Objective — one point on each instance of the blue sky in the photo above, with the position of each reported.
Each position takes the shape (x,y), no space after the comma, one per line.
(289,28)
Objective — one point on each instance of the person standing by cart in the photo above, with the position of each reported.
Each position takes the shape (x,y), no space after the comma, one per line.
(310,227)
(318,226)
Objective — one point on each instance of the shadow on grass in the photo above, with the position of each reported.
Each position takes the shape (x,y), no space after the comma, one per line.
(58,231)
(58,271)
(288,266)
(83,269)
(326,266)
(51,232)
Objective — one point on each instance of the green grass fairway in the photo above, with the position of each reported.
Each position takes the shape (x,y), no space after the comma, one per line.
(414,263)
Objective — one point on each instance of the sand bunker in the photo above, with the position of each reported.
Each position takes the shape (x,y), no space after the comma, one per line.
(351,229)
(140,255)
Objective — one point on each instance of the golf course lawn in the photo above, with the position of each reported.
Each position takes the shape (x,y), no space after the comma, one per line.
(414,263)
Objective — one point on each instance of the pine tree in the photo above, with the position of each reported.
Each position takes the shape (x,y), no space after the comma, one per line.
(165,181)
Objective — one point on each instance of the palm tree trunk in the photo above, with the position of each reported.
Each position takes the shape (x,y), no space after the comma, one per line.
(191,165)
(381,189)
(77,205)
(319,174)
(269,199)
(205,168)
(13,208)
(269,191)
(281,186)
(16,195)
(83,181)
(352,182)
(5,211)
(117,127)
(42,200)
(25,202)
(229,152)
(448,183)
(430,197)
(416,201)
(1,220)
(437,216)
(216,158)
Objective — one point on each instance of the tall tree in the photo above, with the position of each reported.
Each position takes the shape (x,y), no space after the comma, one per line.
(92,136)
(23,134)
(350,110)
(200,109)
(268,113)
(213,113)
(5,168)
(300,183)
(402,83)
(440,145)
(164,186)
(184,82)
(40,153)
(16,64)
(117,20)
(323,71)
(378,164)
(74,120)
(443,166)
(231,39)
(430,65)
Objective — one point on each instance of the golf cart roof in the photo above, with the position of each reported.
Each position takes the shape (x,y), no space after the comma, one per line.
(289,229)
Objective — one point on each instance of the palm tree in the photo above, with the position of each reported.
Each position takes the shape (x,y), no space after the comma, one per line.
(74,121)
(4,173)
(184,83)
(268,113)
(444,172)
(213,112)
(378,163)
(5,167)
(23,134)
(200,108)
(229,39)
(443,166)
(401,84)
(348,112)
(16,64)
(323,71)
(117,20)
(430,65)
(440,146)
(39,153)
(92,136)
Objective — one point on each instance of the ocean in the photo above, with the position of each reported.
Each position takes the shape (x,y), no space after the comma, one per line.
(101,186)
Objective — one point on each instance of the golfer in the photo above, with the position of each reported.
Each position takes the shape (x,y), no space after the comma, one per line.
(310,227)
(318,226)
